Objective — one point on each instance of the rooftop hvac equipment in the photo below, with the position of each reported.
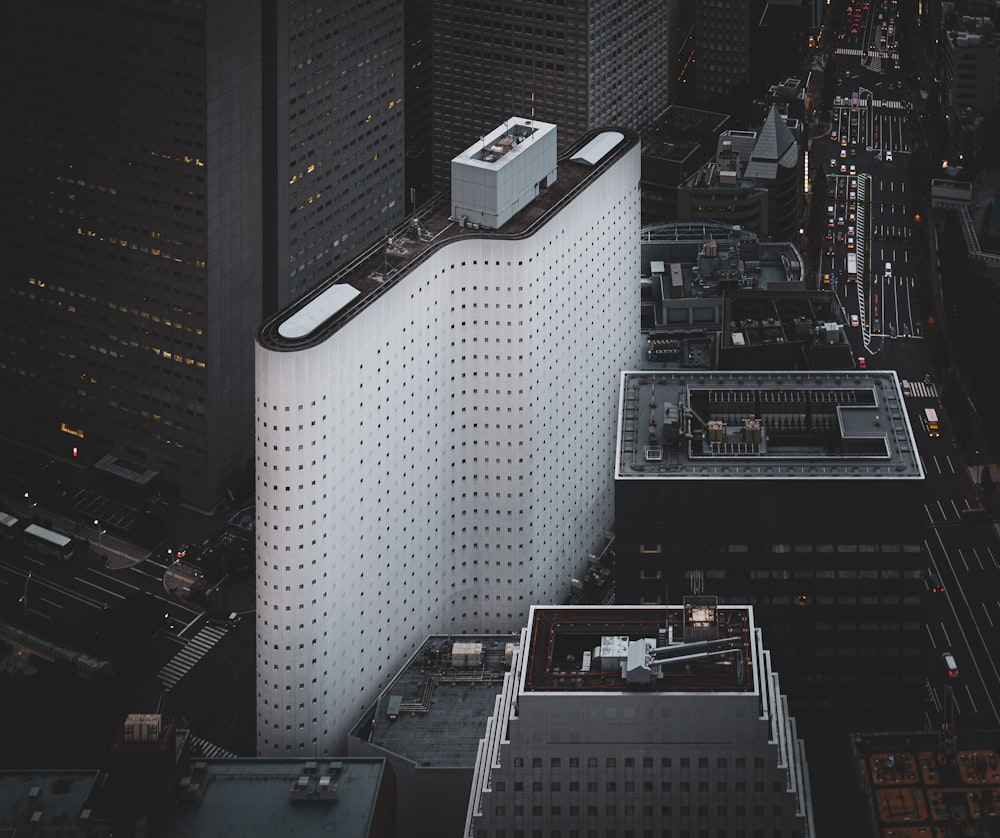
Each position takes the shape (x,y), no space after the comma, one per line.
(508,654)
(727,177)
(711,247)
(716,430)
(611,654)
(142,727)
(751,430)
(466,655)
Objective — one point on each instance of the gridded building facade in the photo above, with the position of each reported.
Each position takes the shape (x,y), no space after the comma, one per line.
(412,474)
(576,63)
(173,172)
(798,493)
(338,135)
(590,737)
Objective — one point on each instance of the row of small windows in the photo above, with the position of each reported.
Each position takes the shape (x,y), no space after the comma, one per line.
(630,762)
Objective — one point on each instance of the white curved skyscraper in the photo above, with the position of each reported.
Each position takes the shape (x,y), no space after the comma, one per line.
(435,429)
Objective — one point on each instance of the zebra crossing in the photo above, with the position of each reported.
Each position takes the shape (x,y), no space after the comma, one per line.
(890,104)
(919,390)
(874,53)
(210,751)
(194,650)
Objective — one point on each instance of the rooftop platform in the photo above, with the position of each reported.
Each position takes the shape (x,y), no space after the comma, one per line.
(250,797)
(434,711)
(914,786)
(764,425)
(321,312)
(699,647)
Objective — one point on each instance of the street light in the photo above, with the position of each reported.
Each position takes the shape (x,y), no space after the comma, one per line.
(24,596)
(99,531)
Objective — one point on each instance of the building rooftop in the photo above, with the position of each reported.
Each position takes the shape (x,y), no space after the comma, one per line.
(321,312)
(918,784)
(248,797)
(697,647)
(744,159)
(434,711)
(494,149)
(764,425)
(46,802)
(679,131)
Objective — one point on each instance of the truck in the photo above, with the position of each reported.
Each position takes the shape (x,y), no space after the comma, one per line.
(931,422)
(852,267)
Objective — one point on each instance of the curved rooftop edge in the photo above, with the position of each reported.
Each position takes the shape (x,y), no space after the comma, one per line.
(319,313)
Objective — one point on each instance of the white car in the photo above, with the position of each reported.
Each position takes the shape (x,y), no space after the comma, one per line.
(854,321)
(888,155)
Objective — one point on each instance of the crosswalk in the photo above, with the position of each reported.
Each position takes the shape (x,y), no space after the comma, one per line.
(875,53)
(194,650)
(919,390)
(210,751)
(890,104)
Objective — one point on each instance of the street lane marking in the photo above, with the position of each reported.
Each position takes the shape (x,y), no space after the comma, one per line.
(950,464)
(53,604)
(961,555)
(947,639)
(986,611)
(975,553)
(973,703)
(95,585)
(930,636)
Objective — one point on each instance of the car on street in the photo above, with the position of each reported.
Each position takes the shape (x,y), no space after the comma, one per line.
(933,582)
(221,619)
(862,363)
(854,320)
(950,664)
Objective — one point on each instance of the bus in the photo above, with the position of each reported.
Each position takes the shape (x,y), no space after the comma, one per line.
(931,422)
(8,525)
(47,544)
(852,267)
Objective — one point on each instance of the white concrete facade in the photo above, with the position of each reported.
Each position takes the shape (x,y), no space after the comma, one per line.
(442,461)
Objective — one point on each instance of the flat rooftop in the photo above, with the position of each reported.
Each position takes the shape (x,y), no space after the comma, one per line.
(914,786)
(46,802)
(764,425)
(680,130)
(435,710)
(697,647)
(321,312)
(248,797)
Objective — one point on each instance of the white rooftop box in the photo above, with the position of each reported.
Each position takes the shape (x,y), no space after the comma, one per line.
(503,172)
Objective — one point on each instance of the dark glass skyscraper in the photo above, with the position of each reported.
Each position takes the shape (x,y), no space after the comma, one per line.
(172,174)
(575,63)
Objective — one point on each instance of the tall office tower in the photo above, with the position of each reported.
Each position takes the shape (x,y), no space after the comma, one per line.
(172,173)
(418,58)
(641,721)
(435,426)
(722,55)
(745,45)
(800,493)
(579,64)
